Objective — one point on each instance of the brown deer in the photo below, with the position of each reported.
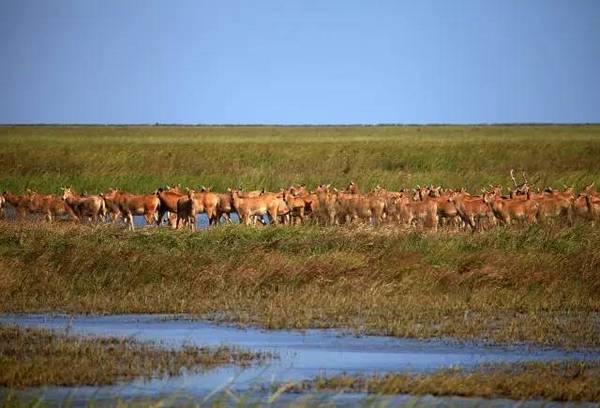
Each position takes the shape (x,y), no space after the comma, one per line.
(168,203)
(592,201)
(421,209)
(353,206)
(225,206)
(19,202)
(296,205)
(50,206)
(446,209)
(187,210)
(308,197)
(474,211)
(134,204)
(324,205)
(553,205)
(91,207)
(249,207)
(207,202)
(512,209)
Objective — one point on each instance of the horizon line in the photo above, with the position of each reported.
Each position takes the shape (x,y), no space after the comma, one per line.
(157,124)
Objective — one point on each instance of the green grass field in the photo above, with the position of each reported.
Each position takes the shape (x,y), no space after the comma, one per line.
(538,284)
(140,159)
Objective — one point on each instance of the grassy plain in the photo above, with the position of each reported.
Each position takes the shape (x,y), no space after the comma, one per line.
(539,284)
(142,158)
(39,357)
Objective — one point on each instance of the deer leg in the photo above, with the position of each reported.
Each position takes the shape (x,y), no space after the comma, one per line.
(161,214)
(273,215)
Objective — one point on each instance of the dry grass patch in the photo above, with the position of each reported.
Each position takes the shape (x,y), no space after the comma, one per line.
(539,284)
(570,381)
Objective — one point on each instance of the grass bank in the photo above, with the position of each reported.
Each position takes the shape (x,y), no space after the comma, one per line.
(572,381)
(39,357)
(142,158)
(539,284)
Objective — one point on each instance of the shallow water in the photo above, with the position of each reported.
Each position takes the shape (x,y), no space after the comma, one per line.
(302,354)
(138,220)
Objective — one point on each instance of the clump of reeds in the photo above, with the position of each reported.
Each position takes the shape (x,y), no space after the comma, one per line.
(36,357)
(560,381)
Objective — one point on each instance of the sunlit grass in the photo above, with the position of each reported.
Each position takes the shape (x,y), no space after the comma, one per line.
(539,284)
(560,381)
(140,159)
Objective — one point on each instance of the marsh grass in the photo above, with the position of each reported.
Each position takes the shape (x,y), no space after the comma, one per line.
(39,357)
(503,383)
(559,381)
(142,158)
(250,399)
(539,284)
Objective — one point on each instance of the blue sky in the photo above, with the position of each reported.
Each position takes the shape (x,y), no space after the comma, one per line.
(295,62)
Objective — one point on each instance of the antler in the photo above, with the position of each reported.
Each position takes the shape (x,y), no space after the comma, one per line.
(512,176)
(525,177)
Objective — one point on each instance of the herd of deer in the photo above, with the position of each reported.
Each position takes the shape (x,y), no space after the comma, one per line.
(423,207)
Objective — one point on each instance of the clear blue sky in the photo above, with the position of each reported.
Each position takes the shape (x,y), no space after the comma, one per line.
(293,62)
